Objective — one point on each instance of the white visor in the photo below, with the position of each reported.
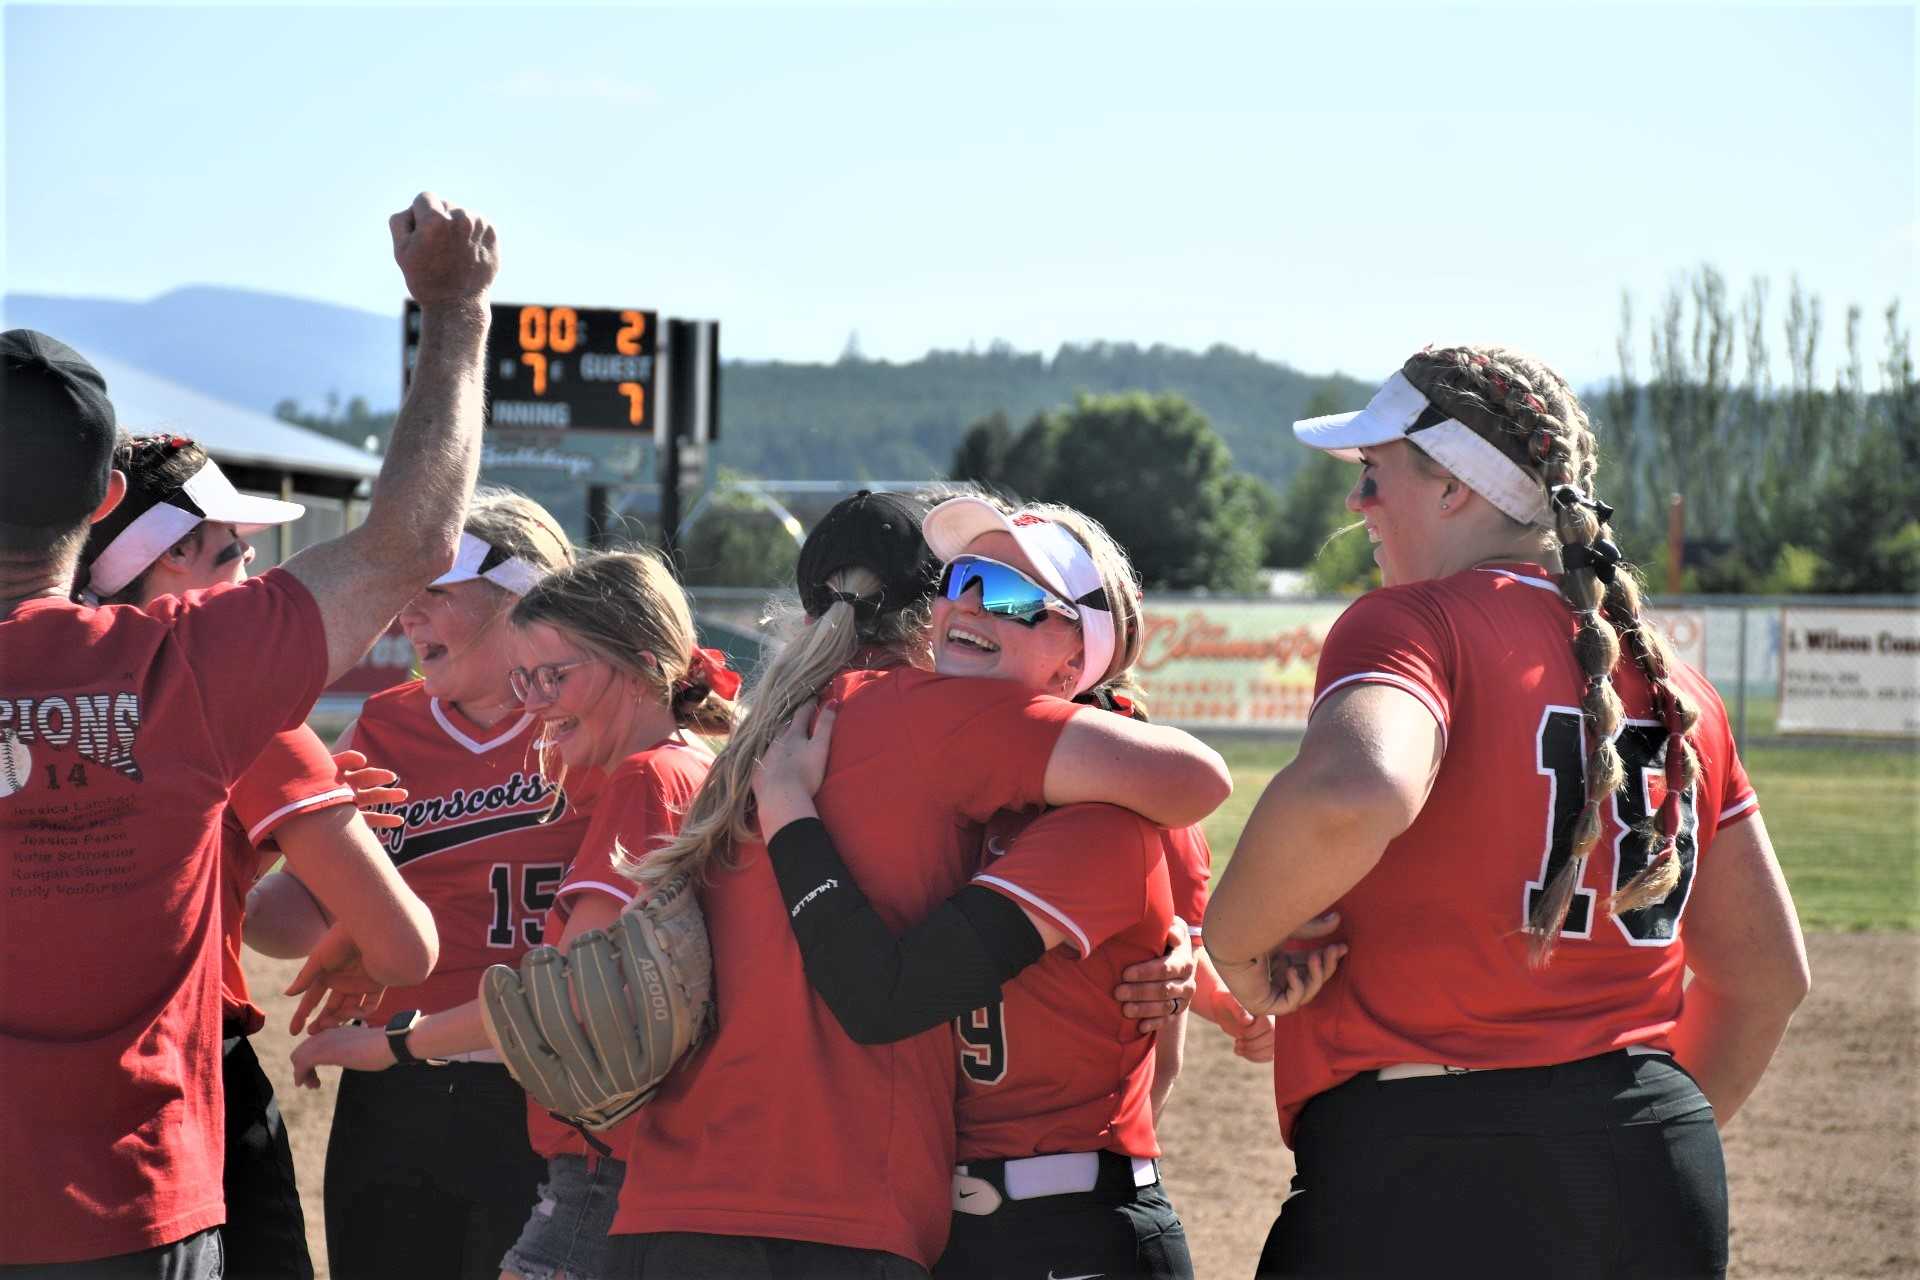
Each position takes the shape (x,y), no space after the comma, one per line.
(1475,460)
(479,558)
(207,495)
(1061,564)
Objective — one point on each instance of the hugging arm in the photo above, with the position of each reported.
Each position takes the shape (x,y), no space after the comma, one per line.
(1165,775)
(881,987)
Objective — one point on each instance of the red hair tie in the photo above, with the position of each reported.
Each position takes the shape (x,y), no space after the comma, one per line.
(709,667)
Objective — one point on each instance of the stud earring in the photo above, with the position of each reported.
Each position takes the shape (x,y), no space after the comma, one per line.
(1443,506)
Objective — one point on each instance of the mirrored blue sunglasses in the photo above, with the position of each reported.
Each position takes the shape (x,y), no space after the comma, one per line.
(1005,592)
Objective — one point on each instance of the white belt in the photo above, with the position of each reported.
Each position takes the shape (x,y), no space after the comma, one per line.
(1417,1070)
(1037,1176)
(474,1055)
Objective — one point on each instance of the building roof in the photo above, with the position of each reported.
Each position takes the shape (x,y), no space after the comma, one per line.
(146,402)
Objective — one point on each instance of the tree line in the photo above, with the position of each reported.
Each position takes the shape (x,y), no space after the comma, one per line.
(1801,486)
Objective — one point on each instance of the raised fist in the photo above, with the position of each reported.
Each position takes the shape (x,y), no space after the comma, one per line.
(446,253)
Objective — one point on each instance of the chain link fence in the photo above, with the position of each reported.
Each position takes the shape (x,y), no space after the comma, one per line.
(1789,668)
(1801,668)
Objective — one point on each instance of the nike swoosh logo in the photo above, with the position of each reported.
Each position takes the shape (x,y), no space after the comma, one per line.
(966,1195)
(1091,1275)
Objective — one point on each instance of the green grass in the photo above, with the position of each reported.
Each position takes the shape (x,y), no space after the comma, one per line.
(1845,822)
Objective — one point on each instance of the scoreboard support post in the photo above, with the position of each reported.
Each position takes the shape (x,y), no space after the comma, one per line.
(599,517)
(689,418)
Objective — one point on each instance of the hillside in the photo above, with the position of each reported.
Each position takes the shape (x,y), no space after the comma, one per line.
(853,418)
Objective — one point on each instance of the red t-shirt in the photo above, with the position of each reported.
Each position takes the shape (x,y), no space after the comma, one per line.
(638,807)
(1054,1066)
(780,1125)
(121,731)
(295,774)
(1190,869)
(487,839)
(1438,970)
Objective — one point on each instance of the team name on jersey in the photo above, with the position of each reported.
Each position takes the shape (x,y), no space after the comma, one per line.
(465,812)
(101,726)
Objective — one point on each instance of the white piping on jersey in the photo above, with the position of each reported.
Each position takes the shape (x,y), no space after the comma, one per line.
(1752,801)
(324,798)
(1054,913)
(1398,682)
(625,895)
(478,748)
(1541,583)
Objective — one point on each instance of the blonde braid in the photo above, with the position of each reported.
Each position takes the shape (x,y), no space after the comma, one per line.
(1531,413)
(1596,646)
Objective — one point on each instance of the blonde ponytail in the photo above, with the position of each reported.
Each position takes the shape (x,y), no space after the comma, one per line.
(818,650)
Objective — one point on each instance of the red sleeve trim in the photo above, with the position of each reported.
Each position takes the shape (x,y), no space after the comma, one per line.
(324,800)
(1044,907)
(1425,697)
(1740,809)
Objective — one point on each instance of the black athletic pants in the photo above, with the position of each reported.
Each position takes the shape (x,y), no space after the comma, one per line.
(429,1173)
(198,1257)
(266,1234)
(686,1255)
(1605,1168)
(1116,1230)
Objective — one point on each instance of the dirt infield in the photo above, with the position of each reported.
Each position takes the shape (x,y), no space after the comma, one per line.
(1823,1161)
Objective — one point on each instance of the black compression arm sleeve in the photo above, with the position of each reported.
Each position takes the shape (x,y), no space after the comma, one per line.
(884,988)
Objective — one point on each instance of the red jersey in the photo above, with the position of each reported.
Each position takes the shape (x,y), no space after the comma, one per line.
(487,839)
(1190,869)
(1054,1066)
(638,808)
(780,1125)
(295,774)
(1438,970)
(121,731)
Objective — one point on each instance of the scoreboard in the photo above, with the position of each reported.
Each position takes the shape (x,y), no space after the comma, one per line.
(551,367)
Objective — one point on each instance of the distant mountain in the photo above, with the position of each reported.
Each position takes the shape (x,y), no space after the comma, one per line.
(248,348)
(850,419)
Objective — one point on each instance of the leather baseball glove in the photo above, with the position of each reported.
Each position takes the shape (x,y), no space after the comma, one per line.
(643,992)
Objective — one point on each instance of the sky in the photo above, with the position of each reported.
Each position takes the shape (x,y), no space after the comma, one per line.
(1330,186)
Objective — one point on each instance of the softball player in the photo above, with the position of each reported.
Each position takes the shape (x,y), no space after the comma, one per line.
(609,668)
(1057,1097)
(182,527)
(117,753)
(1534,822)
(793,1151)
(429,1171)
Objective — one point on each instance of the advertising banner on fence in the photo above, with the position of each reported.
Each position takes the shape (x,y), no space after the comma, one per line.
(1686,632)
(1250,663)
(1233,663)
(1850,671)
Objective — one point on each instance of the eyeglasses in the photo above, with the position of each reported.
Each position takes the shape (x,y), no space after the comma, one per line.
(543,679)
(1005,592)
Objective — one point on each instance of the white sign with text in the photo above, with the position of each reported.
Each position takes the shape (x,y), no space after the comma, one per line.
(1850,671)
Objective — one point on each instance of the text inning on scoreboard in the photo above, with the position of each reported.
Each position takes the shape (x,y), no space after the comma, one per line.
(590,368)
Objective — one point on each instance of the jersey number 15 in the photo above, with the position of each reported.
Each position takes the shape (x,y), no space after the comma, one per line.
(537,882)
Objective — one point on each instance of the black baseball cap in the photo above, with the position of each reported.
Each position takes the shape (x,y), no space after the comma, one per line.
(875,531)
(56,432)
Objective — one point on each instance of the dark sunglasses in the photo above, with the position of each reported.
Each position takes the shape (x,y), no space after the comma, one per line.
(1005,592)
